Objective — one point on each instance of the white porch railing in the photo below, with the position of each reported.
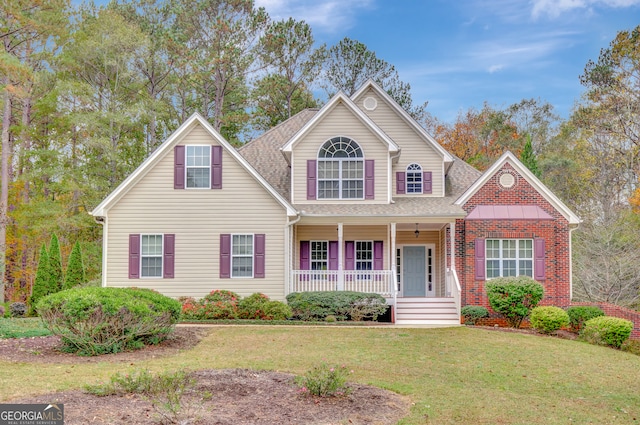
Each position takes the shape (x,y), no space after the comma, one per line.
(453,288)
(371,281)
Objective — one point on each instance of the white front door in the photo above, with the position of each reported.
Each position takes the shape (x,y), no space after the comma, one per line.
(417,271)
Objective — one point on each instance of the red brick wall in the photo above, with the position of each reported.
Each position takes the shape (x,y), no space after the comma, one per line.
(621,312)
(555,233)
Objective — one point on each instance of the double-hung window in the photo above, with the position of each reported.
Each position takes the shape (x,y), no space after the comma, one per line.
(319,255)
(340,170)
(414,178)
(151,256)
(242,256)
(364,255)
(198,166)
(509,257)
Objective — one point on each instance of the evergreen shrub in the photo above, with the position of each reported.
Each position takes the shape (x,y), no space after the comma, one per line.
(606,330)
(548,319)
(340,304)
(219,304)
(18,309)
(473,313)
(578,315)
(514,297)
(259,307)
(93,321)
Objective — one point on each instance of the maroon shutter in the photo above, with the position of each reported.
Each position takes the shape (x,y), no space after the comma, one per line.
(349,255)
(169,256)
(134,256)
(305,264)
(369,179)
(311,178)
(178,167)
(400,182)
(258,255)
(216,167)
(333,255)
(539,255)
(378,255)
(427,182)
(479,260)
(225,256)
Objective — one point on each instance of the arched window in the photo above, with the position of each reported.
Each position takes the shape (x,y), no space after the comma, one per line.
(414,178)
(340,170)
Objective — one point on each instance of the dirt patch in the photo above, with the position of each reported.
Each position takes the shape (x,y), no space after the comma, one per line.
(219,397)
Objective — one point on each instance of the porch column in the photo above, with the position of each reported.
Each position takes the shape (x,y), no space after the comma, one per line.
(340,258)
(392,259)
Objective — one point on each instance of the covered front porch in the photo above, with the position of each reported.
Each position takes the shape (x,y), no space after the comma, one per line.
(409,263)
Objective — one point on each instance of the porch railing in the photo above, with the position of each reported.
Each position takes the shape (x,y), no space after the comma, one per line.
(372,281)
(453,288)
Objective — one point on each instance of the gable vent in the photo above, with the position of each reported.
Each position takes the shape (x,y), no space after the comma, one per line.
(370,103)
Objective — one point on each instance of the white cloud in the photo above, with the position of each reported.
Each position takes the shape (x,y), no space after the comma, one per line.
(495,68)
(554,8)
(331,16)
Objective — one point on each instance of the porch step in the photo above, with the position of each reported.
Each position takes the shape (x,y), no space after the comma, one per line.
(426,311)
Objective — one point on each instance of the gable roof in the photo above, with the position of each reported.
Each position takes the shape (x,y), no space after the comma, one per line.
(370,84)
(510,158)
(165,147)
(353,108)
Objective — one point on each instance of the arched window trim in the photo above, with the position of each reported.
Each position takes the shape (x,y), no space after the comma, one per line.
(414,180)
(340,172)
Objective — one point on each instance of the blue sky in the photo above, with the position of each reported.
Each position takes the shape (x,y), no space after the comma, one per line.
(457,54)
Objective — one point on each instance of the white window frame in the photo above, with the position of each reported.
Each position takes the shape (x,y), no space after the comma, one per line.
(143,255)
(359,251)
(235,256)
(188,167)
(414,179)
(501,259)
(319,247)
(345,153)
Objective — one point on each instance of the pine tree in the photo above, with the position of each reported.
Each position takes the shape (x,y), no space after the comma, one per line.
(528,158)
(41,284)
(75,268)
(56,278)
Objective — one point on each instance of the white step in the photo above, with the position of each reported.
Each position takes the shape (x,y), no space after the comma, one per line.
(426,311)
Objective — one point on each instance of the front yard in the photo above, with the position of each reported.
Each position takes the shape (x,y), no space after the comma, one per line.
(455,375)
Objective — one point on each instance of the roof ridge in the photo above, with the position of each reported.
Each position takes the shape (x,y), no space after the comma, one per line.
(277,127)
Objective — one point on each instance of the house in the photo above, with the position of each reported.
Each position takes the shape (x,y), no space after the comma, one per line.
(353,196)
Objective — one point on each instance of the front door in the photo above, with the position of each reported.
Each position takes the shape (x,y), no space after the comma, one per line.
(413,271)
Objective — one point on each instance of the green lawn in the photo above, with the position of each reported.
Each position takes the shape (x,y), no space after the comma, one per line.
(453,375)
(22,328)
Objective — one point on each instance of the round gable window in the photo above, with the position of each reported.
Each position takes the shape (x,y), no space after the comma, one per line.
(507,180)
(370,103)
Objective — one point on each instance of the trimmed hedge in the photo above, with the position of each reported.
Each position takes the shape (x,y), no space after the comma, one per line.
(343,305)
(93,321)
(578,315)
(514,297)
(548,319)
(607,330)
(473,313)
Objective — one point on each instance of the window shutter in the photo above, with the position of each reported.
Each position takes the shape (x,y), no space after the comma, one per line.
(178,167)
(333,255)
(134,256)
(400,182)
(426,182)
(378,255)
(304,255)
(311,179)
(169,256)
(225,256)
(369,179)
(479,260)
(216,167)
(258,255)
(539,255)
(349,255)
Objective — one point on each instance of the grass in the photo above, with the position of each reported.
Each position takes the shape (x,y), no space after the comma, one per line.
(22,328)
(452,375)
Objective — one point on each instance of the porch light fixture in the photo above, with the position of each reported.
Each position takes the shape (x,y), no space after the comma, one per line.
(417,232)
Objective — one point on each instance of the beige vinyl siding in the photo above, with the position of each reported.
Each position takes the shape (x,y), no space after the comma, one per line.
(197,217)
(414,149)
(340,122)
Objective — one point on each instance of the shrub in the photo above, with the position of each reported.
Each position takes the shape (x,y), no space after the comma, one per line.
(324,381)
(514,297)
(93,321)
(56,277)
(368,308)
(42,283)
(18,309)
(75,269)
(548,319)
(260,307)
(472,313)
(319,305)
(217,305)
(1,311)
(631,346)
(606,330)
(578,315)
